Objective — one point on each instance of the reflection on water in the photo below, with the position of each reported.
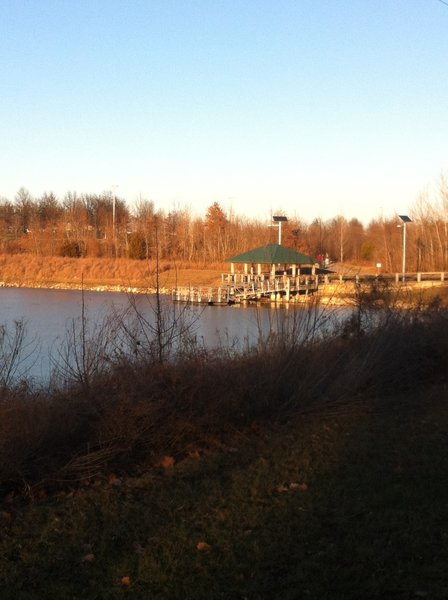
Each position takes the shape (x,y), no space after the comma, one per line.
(49,313)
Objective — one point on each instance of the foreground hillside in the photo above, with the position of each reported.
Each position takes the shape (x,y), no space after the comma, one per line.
(302,468)
(343,504)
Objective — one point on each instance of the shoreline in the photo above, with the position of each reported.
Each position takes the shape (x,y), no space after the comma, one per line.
(328,295)
(116,288)
(140,277)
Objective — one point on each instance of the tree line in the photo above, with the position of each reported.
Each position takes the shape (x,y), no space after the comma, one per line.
(102,225)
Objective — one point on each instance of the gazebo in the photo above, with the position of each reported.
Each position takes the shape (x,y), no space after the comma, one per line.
(271,272)
(276,258)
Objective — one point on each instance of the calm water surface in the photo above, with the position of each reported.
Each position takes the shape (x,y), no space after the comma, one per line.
(49,313)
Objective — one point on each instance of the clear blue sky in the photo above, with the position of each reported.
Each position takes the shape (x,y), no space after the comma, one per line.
(309,107)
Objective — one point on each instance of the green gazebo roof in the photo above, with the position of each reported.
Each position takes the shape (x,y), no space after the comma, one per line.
(272,254)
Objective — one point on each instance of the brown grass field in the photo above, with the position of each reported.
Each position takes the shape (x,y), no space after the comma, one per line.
(26,270)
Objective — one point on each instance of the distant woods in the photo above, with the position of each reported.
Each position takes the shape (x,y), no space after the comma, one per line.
(101,225)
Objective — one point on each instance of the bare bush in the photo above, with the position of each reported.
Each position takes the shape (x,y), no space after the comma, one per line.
(152,329)
(16,353)
(157,401)
(86,351)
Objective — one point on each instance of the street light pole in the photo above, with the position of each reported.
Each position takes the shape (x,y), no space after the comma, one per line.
(114,187)
(403,270)
(279,220)
(405,220)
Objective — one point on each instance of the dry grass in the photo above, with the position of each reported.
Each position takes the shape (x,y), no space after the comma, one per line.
(29,270)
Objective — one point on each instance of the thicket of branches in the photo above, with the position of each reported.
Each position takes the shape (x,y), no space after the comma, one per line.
(101,225)
(138,385)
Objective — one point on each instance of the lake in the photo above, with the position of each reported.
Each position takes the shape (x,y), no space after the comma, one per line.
(49,314)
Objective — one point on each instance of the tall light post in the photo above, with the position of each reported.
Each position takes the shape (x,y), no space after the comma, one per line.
(114,187)
(279,220)
(405,220)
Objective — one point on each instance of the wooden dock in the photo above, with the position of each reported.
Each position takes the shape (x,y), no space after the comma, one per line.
(239,288)
(246,287)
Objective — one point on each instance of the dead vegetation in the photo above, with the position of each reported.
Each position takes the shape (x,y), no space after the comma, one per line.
(133,390)
(26,270)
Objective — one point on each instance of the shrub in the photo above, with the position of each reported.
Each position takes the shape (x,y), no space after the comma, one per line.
(137,247)
(71,249)
(136,390)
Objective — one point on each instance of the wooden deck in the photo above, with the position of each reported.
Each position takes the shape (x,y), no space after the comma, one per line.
(244,288)
(236,289)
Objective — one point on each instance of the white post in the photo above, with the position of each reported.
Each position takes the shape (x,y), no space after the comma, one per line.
(404,253)
(113,216)
(405,219)
(114,187)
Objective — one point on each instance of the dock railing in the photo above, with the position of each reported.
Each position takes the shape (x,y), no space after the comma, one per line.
(250,287)
(240,287)
(416,277)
